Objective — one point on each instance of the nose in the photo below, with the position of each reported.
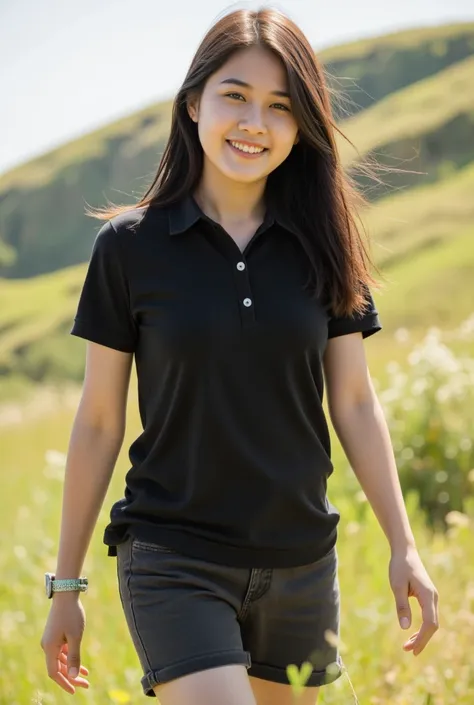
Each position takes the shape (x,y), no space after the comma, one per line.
(254,121)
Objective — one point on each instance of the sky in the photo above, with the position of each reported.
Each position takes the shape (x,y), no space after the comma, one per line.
(70,66)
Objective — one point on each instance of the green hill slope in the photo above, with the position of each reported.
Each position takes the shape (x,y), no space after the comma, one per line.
(421,232)
(413,220)
(427,127)
(420,237)
(370,69)
(42,222)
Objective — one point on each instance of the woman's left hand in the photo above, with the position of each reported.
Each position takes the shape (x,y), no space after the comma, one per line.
(408,578)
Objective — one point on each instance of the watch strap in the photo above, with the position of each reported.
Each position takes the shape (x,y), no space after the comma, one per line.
(70,584)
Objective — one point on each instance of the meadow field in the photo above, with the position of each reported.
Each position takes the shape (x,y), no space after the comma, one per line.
(378,671)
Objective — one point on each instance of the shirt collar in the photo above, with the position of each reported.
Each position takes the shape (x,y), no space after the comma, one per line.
(186,212)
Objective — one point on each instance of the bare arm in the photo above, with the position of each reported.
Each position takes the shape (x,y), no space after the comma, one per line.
(359,422)
(96,439)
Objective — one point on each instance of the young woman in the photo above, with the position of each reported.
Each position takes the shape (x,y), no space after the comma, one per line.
(239,282)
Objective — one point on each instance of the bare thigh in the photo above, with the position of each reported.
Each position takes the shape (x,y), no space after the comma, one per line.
(269,693)
(230,685)
(224,685)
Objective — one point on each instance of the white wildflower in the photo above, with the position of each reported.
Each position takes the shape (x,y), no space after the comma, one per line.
(55,458)
(455,518)
(402,335)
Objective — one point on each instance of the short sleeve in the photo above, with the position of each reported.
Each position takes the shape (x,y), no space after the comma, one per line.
(104,314)
(366,323)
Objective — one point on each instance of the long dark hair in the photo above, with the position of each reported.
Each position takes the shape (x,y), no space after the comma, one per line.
(311,187)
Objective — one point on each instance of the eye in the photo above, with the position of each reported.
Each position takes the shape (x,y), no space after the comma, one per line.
(285,107)
(229,95)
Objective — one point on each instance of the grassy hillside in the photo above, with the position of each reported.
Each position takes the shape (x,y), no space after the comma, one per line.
(439,37)
(140,129)
(451,42)
(42,223)
(421,231)
(34,309)
(420,237)
(369,69)
(427,127)
(118,161)
(414,220)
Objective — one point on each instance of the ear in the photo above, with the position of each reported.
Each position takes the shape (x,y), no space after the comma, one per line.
(193,108)
(297,138)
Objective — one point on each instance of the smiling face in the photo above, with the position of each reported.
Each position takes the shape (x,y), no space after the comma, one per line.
(245,107)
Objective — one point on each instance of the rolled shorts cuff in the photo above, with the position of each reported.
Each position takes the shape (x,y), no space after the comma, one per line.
(279,675)
(198,663)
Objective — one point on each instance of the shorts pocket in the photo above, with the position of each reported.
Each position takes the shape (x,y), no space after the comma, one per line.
(139,545)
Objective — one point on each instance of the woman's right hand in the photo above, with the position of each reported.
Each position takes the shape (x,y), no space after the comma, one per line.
(61,641)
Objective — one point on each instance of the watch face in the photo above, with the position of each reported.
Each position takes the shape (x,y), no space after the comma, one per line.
(48,583)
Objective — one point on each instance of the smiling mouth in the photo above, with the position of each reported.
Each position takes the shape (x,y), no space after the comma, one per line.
(247,150)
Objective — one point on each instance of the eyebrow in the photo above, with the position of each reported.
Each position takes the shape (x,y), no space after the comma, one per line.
(238,82)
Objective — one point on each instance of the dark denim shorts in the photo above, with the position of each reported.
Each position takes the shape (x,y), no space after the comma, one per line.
(187,614)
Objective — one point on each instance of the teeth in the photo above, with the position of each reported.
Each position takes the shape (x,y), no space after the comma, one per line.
(245,148)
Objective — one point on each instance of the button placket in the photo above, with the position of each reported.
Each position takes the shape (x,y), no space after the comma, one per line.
(230,250)
(245,298)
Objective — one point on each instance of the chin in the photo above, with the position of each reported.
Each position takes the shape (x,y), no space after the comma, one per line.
(250,179)
(242,177)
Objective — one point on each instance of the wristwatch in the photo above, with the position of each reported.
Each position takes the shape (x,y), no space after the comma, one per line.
(52,585)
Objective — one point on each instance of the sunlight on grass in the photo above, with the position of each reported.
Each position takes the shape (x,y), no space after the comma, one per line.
(417,109)
(376,670)
(406,39)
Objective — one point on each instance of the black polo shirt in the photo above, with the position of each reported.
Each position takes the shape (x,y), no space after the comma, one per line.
(234,457)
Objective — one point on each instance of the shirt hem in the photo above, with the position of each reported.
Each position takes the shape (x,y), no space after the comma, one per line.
(225,554)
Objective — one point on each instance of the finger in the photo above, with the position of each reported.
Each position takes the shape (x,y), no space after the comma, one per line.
(83,669)
(403,606)
(53,668)
(74,656)
(408,645)
(78,681)
(426,632)
(429,625)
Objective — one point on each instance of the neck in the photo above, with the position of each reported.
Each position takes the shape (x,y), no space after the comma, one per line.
(228,201)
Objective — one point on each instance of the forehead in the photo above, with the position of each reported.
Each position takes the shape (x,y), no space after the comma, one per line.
(257,66)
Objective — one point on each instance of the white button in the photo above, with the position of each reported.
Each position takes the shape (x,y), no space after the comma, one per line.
(247,302)
(241,266)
